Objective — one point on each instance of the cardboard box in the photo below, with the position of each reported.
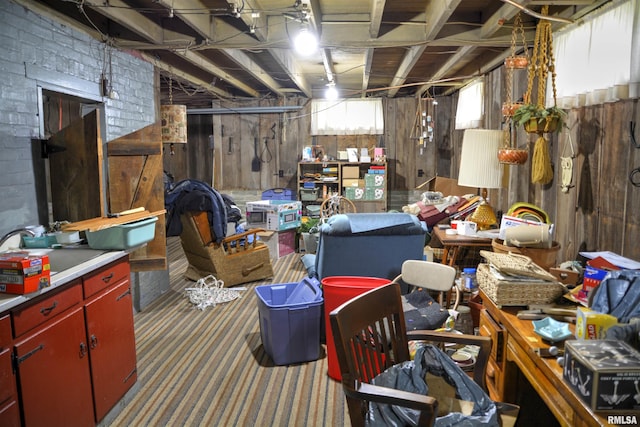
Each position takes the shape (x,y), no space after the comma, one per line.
(603,373)
(280,243)
(448,187)
(374,180)
(591,325)
(350,172)
(351,182)
(354,193)
(594,272)
(274,214)
(22,273)
(373,193)
(512,221)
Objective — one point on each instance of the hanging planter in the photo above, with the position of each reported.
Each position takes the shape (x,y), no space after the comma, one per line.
(509,108)
(544,126)
(516,62)
(536,119)
(533,115)
(513,156)
(509,154)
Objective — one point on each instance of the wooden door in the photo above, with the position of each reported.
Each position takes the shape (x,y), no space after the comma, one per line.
(53,367)
(76,170)
(112,346)
(135,180)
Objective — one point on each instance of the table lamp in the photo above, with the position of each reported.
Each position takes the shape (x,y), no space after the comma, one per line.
(480,168)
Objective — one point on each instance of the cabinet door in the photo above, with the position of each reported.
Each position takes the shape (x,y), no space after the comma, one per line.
(53,372)
(9,413)
(112,346)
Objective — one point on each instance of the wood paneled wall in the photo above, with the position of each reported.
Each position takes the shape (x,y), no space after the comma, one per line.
(599,212)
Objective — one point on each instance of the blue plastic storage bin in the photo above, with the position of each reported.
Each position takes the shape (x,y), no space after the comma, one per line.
(290,315)
(278,194)
(123,236)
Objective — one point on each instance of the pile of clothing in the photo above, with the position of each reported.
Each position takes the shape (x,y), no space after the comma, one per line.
(197,196)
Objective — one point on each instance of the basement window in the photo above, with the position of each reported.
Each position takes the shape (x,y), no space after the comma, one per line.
(347,117)
(470,102)
(597,60)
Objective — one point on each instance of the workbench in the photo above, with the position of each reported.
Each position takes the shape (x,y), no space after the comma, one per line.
(515,346)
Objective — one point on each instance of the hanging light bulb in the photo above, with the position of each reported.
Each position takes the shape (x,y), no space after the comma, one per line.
(331,93)
(305,42)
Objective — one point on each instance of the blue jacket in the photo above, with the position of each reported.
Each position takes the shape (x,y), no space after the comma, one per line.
(194,195)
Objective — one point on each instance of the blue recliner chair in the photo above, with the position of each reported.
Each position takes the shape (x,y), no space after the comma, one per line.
(366,244)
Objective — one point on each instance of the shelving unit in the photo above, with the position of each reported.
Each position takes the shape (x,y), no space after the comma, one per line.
(363,183)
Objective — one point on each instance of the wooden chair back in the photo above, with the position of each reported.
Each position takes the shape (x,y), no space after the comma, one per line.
(370,335)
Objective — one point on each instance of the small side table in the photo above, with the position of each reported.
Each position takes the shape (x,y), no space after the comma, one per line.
(452,244)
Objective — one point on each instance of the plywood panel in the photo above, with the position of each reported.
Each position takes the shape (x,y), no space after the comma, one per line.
(135,180)
(76,170)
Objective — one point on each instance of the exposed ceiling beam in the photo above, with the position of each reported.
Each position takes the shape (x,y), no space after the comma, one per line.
(437,14)
(377,9)
(366,72)
(254,69)
(205,64)
(169,69)
(288,63)
(199,22)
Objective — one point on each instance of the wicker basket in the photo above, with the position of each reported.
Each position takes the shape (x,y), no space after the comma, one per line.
(544,257)
(516,293)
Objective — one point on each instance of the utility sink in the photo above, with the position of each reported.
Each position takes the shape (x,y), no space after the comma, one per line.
(63,259)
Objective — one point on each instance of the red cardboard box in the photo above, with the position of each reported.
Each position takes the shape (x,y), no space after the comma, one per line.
(22,273)
(594,272)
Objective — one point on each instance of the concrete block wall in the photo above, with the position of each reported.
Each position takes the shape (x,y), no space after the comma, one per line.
(36,50)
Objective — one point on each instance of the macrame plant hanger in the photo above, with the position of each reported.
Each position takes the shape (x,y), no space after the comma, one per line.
(542,63)
(510,154)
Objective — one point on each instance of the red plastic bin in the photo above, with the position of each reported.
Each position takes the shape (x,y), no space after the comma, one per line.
(337,290)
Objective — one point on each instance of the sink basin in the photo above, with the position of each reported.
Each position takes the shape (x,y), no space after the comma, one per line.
(63,259)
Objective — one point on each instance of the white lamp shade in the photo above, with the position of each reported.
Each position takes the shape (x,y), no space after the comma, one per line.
(479,164)
(174,123)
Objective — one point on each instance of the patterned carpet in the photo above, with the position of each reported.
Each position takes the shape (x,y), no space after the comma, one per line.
(209,368)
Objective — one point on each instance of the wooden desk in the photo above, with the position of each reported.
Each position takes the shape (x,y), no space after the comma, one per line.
(517,347)
(453,242)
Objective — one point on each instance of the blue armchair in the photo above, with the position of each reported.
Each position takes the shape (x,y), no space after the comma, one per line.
(366,244)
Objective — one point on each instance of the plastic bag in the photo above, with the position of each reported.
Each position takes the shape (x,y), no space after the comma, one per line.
(410,376)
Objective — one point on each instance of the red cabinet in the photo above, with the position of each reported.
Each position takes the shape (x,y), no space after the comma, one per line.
(9,411)
(73,351)
(53,372)
(112,346)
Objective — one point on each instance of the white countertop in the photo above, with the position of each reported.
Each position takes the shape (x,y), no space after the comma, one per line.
(9,301)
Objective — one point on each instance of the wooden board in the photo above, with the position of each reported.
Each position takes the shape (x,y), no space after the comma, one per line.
(100,223)
(135,179)
(76,172)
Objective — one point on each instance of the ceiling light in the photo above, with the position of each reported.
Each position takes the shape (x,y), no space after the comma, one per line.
(305,42)
(331,93)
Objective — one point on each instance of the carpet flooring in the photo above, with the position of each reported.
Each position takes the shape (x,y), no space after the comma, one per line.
(209,368)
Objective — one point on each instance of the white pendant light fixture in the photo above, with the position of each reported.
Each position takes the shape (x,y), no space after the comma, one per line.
(305,42)
(331,93)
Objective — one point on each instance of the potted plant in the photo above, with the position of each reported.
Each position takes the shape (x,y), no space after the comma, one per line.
(536,119)
(309,231)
